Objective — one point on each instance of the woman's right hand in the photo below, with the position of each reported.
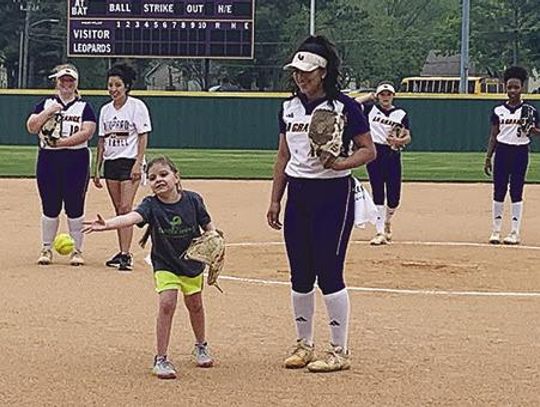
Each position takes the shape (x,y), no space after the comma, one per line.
(97,181)
(55,107)
(488,169)
(272,216)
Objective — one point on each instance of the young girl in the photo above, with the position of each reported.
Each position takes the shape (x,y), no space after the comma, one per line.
(511,149)
(385,171)
(63,170)
(175,217)
(124,124)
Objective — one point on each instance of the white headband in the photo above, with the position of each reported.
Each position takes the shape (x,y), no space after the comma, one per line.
(385,86)
(65,72)
(307,62)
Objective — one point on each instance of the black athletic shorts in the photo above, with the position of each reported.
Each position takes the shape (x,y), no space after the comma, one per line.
(118,169)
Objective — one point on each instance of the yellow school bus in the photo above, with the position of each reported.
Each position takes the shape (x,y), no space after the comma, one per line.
(477,85)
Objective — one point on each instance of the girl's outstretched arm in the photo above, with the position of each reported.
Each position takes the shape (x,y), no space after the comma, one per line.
(118,222)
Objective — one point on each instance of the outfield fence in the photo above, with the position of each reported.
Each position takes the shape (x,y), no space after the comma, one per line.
(248,121)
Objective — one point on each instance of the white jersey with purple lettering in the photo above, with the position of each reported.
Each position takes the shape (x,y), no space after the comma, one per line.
(381,121)
(508,118)
(74,114)
(294,119)
(121,128)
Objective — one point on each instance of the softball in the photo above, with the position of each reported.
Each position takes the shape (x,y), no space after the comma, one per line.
(64,244)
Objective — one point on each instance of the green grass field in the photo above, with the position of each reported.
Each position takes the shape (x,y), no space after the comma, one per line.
(19,161)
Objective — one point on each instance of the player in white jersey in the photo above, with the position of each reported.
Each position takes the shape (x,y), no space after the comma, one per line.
(124,124)
(63,171)
(511,148)
(320,203)
(385,171)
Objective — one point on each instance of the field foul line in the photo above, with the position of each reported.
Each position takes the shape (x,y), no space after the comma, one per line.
(400,291)
(405,243)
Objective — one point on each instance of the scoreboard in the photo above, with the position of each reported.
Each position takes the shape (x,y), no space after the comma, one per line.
(161,28)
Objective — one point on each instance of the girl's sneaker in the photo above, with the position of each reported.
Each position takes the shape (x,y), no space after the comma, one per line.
(202,355)
(163,368)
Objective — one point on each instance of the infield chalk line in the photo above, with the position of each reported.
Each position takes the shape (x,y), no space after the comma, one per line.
(397,243)
(399,291)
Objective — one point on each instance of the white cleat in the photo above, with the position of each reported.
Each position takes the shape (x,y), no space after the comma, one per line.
(495,238)
(378,240)
(511,239)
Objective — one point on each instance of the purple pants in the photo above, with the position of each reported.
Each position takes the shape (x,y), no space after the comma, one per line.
(385,173)
(62,178)
(510,166)
(317,226)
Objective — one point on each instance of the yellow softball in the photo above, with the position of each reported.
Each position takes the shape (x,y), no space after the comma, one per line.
(64,244)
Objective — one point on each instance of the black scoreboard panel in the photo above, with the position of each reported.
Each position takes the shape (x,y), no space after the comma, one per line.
(161,28)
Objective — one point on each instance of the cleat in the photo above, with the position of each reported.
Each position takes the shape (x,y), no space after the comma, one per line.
(163,368)
(45,257)
(335,359)
(512,239)
(114,261)
(388,231)
(301,355)
(378,240)
(202,356)
(495,238)
(76,258)
(126,262)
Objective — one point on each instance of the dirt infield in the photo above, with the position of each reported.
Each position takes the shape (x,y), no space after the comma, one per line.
(438,318)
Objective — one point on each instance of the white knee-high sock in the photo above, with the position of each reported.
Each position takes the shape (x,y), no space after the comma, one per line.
(75,226)
(338,308)
(390,212)
(498,209)
(517,211)
(49,228)
(303,310)
(381,217)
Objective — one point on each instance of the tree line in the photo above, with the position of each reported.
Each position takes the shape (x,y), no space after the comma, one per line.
(377,39)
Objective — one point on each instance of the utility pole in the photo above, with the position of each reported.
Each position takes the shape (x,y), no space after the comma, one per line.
(27,6)
(312,18)
(21,51)
(464,60)
(28,10)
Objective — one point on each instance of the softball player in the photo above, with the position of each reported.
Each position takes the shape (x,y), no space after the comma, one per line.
(175,217)
(385,171)
(124,124)
(63,171)
(320,206)
(511,149)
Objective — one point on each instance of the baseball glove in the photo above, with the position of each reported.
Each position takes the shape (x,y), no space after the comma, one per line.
(397,132)
(209,248)
(325,132)
(527,121)
(51,130)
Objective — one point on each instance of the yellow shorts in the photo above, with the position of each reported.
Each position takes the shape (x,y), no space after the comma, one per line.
(165,280)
